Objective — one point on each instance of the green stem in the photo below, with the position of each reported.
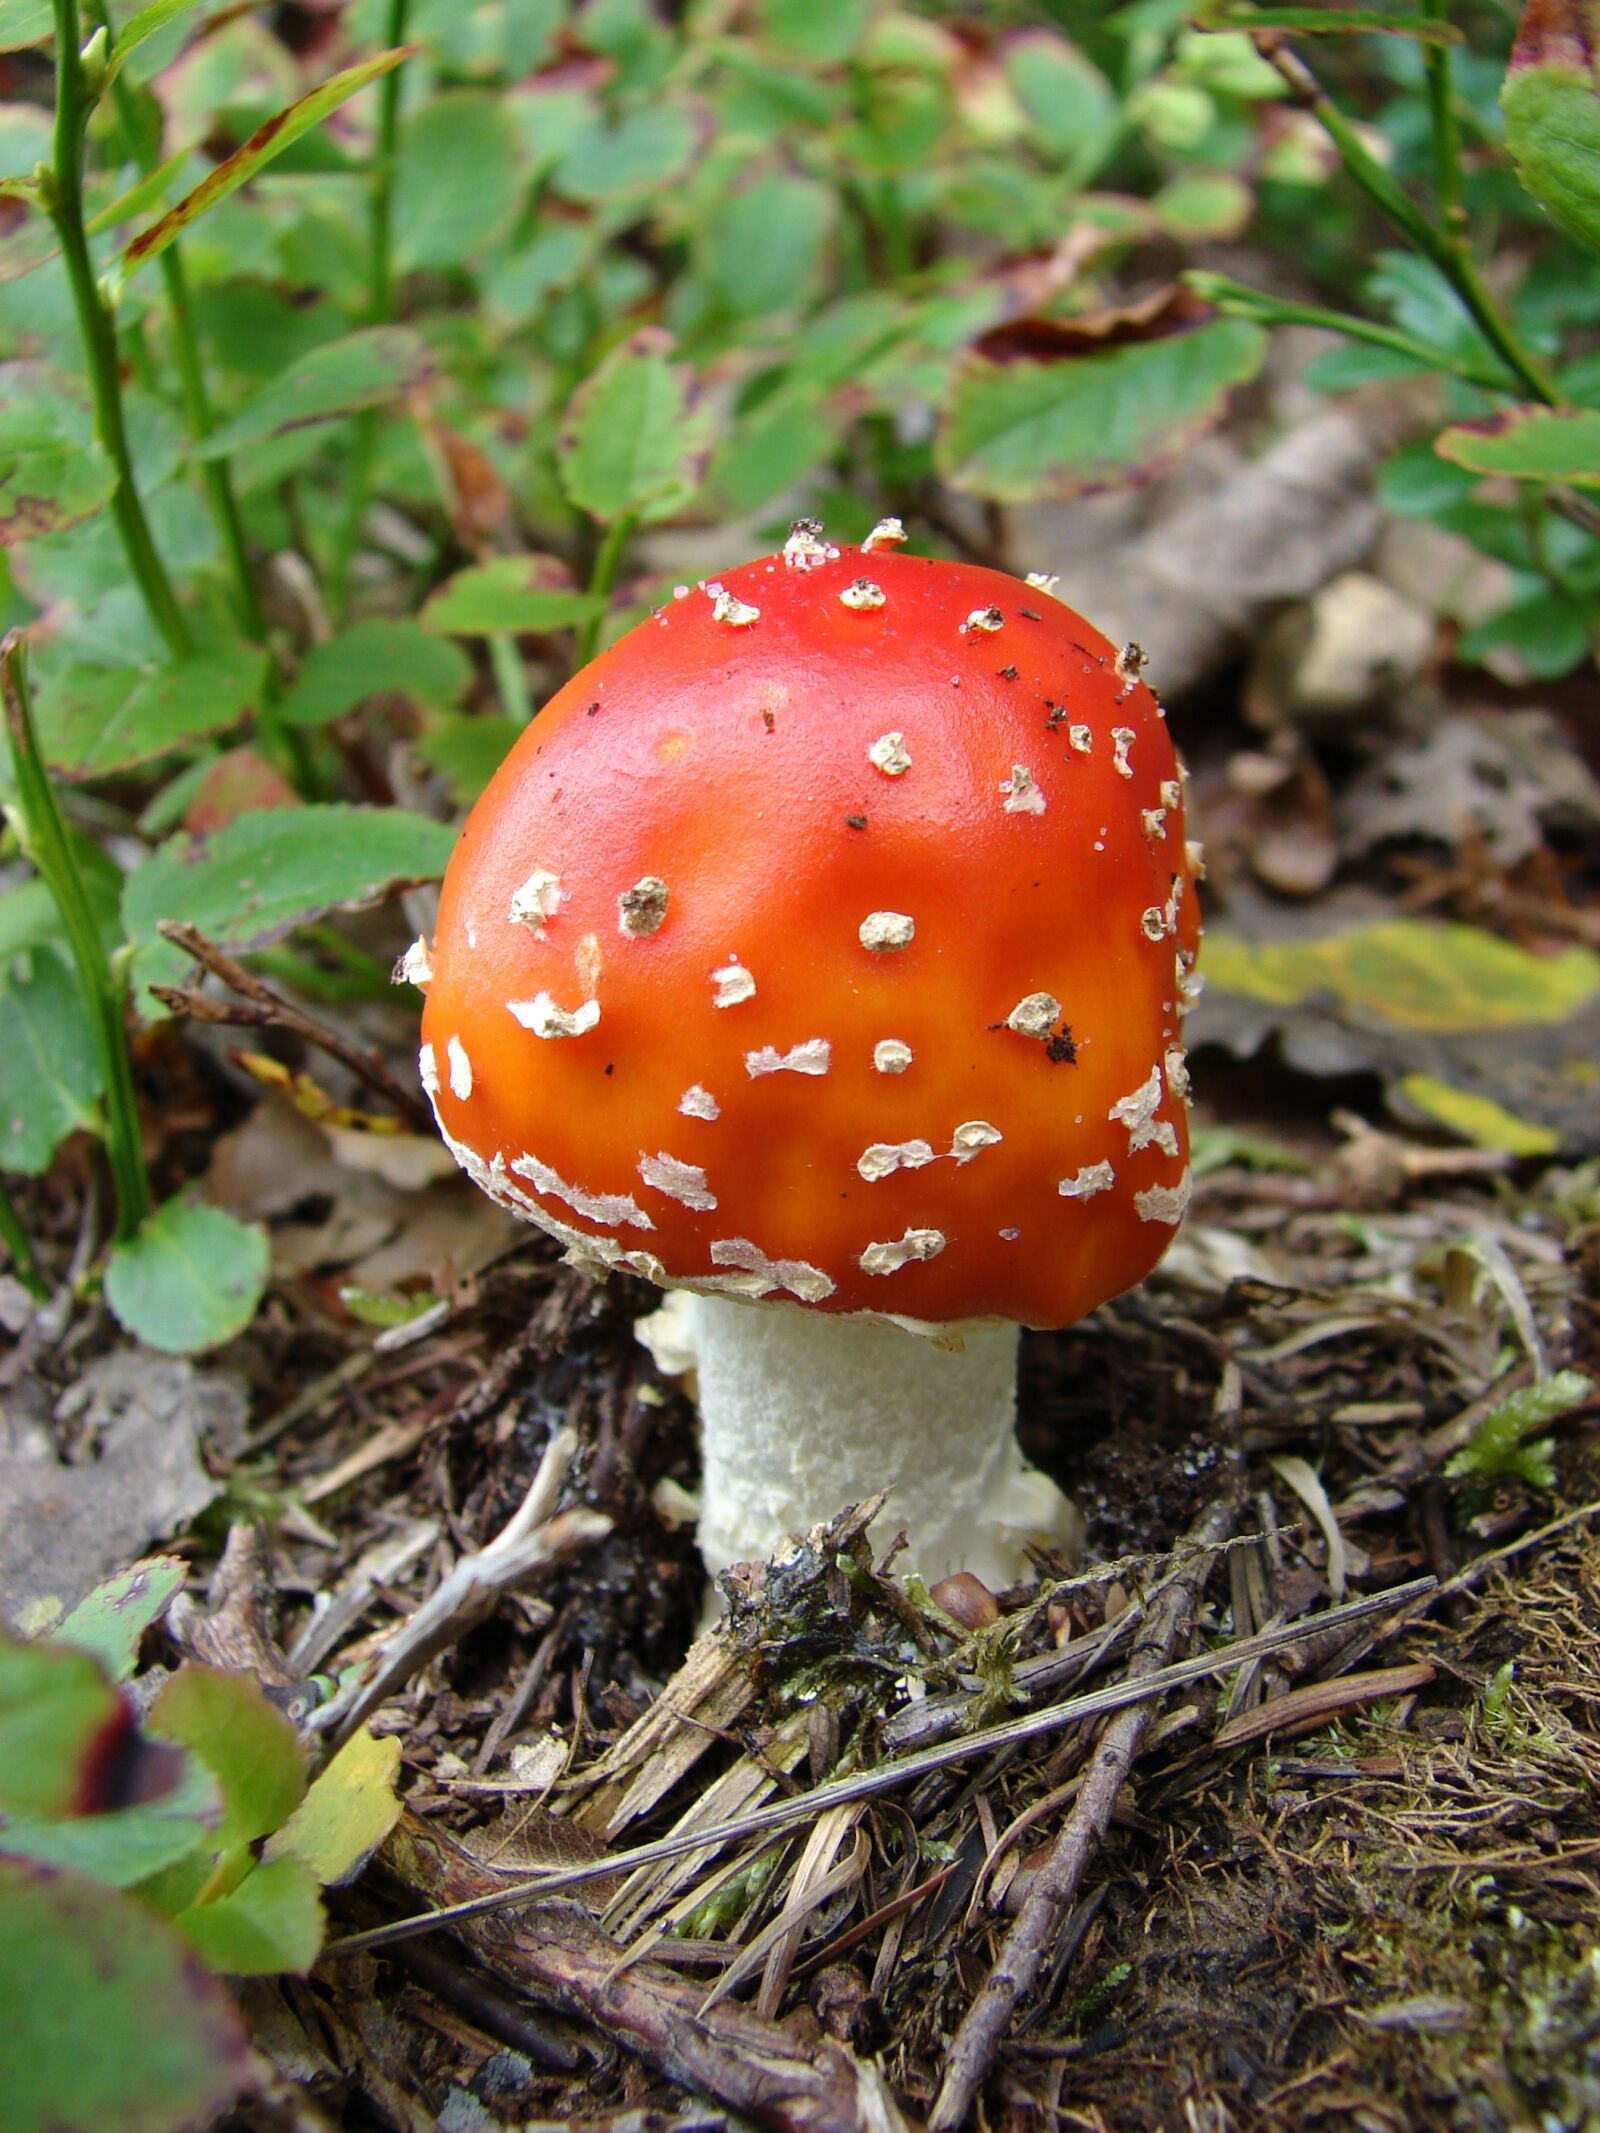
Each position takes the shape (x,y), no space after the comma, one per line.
(380,302)
(42,832)
(15,1239)
(1444,129)
(510,678)
(1236,300)
(73,105)
(601,579)
(1449,253)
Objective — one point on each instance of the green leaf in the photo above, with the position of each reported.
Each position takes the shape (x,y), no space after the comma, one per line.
(629,435)
(1322,21)
(635,154)
(155,15)
(1531,443)
(109,1622)
(1072,114)
(96,720)
(246,1742)
(378,657)
(348,1812)
(458,178)
(467,751)
(52,472)
(363,369)
(272,870)
(111,2025)
(190,1280)
(1551,104)
(1018,430)
(273,1921)
(1477,1118)
(56,1711)
(520,594)
(1498,1445)
(268,140)
(126,1845)
(50,1078)
(762,246)
(1409,973)
(25,22)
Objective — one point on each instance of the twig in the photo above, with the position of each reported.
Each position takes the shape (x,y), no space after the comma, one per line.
(777,1814)
(1027,1946)
(259,1007)
(772,2075)
(537,1536)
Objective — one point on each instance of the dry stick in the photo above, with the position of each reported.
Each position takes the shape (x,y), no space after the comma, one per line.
(1027,1946)
(777,1814)
(259,1007)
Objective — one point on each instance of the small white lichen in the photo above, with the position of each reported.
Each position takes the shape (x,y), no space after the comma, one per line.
(1153,821)
(888,1258)
(1194,855)
(1122,739)
(798,1276)
(734,984)
(460,1069)
(428,1070)
(414,967)
(886,931)
(1138,1112)
(1164,1203)
(1044,581)
(1153,923)
(726,607)
(699,1102)
(1170,793)
(1175,1061)
(641,909)
(1129,663)
(1080,738)
(889,754)
(679,1181)
(545,1019)
(538,899)
(1035,1016)
(891,1056)
(1021,790)
(887,533)
(862,596)
(972,1137)
(987,619)
(805,549)
(1092,1178)
(1190,983)
(814,1056)
(1009,1236)
(884,1158)
(609,1208)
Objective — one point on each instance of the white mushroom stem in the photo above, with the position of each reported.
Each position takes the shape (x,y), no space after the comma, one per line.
(803,1412)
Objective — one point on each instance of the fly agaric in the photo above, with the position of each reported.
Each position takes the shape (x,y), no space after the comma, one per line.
(821,950)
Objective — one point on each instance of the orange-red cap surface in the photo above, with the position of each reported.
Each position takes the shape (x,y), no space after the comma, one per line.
(826,937)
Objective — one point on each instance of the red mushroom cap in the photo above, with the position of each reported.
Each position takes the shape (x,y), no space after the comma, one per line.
(827,937)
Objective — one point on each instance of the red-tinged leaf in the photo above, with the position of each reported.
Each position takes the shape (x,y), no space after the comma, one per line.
(269,139)
(1555,33)
(237,783)
(111,2025)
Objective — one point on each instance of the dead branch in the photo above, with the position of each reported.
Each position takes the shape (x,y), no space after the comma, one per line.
(537,1536)
(777,2075)
(778,1814)
(257,1006)
(1028,1944)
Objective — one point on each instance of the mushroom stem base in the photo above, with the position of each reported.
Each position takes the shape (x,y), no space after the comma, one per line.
(803,1412)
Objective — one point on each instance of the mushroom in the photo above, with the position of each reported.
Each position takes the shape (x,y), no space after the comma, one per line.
(821,950)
